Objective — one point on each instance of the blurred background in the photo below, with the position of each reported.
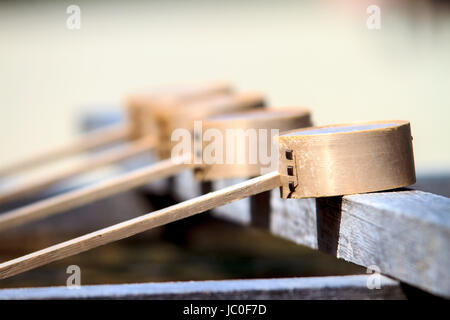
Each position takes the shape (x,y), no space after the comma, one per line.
(318,54)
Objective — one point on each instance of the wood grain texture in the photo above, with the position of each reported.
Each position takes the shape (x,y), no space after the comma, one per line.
(90,141)
(346,159)
(97,161)
(101,190)
(249,144)
(311,288)
(140,224)
(405,233)
(412,228)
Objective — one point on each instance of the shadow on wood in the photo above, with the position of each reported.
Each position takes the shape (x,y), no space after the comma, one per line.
(328,214)
(260,210)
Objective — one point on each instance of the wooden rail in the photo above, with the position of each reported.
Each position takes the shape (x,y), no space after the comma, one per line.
(339,287)
(406,234)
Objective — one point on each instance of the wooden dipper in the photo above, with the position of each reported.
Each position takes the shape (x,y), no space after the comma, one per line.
(129,131)
(346,159)
(172,116)
(168,115)
(315,151)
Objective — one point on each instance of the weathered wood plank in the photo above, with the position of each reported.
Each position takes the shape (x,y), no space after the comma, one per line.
(406,234)
(338,287)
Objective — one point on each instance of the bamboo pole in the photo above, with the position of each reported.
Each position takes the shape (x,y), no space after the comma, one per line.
(94,162)
(221,104)
(97,138)
(98,191)
(140,224)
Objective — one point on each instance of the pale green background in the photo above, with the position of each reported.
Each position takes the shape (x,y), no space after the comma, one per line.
(318,54)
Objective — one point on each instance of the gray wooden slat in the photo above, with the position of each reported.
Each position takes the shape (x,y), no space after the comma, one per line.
(406,234)
(434,183)
(339,287)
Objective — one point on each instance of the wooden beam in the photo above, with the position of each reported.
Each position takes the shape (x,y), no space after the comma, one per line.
(406,234)
(140,224)
(311,288)
(89,141)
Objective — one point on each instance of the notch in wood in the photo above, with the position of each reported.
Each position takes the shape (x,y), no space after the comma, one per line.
(290,170)
(289,154)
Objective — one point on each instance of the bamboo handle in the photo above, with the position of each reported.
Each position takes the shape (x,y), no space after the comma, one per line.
(140,224)
(90,194)
(98,138)
(107,158)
